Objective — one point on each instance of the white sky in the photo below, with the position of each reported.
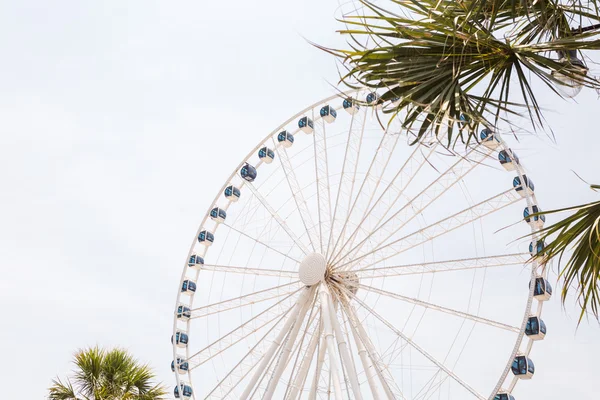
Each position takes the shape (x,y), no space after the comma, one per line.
(118,123)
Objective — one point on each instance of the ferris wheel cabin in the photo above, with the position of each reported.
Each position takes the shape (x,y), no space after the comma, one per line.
(195,261)
(186,391)
(286,139)
(182,366)
(328,114)
(489,139)
(523,367)
(266,154)
(206,238)
(537,249)
(188,287)
(181,339)
(535,328)
(542,290)
(374,100)
(529,186)
(504,396)
(350,106)
(218,215)
(232,193)
(537,221)
(248,172)
(183,313)
(507,161)
(306,124)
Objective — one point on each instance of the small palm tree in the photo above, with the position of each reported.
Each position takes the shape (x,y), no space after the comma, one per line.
(450,67)
(107,375)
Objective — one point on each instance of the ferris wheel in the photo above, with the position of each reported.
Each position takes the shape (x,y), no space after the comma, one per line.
(338,261)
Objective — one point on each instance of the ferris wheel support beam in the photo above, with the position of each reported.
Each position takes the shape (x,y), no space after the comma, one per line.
(425,198)
(342,345)
(371,364)
(312,395)
(300,377)
(261,242)
(421,350)
(329,340)
(287,349)
(250,271)
(302,300)
(323,188)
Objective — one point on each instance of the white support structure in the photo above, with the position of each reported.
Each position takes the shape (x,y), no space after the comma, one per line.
(312,395)
(300,378)
(437,229)
(444,266)
(287,349)
(250,271)
(296,190)
(329,341)
(247,299)
(323,188)
(446,310)
(277,218)
(423,199)
(277,342)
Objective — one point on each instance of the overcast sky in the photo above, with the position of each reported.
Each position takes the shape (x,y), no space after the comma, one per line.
(120,120)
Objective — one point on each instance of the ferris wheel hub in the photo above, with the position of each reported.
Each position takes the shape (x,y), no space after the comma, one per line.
(312,269)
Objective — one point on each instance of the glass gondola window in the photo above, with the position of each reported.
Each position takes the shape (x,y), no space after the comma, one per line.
(183,312)
(542,290)
(328,114)
(504,396)
(523,367)
(188,286)
(489,138)
(195,261)
(285,138)
(186,391)
(350,106)
(537,220)
(535,328)
(182,365)
(537,249)
(181,339)
(248,172)
(519,187)
(232,193)
(266,154)
(306,124)
(218,215)
(206,238)
(507,161)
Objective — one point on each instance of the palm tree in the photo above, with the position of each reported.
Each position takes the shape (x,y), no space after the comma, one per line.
(107,375)
(455,66)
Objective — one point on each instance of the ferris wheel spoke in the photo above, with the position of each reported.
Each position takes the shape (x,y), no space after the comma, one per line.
(378,164)
(277,218)
(261,242)
(236,335)
(415,206)
(394,190)
(445,266)
(322,182)
(247,299)
(439,228)
(423,352)
(347,178)
(296,191)
(246,364)
(436,307)
(250,271)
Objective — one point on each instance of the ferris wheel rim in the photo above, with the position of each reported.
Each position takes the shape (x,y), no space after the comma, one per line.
(530,198)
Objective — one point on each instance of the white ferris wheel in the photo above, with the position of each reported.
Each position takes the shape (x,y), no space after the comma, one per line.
(340,262)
